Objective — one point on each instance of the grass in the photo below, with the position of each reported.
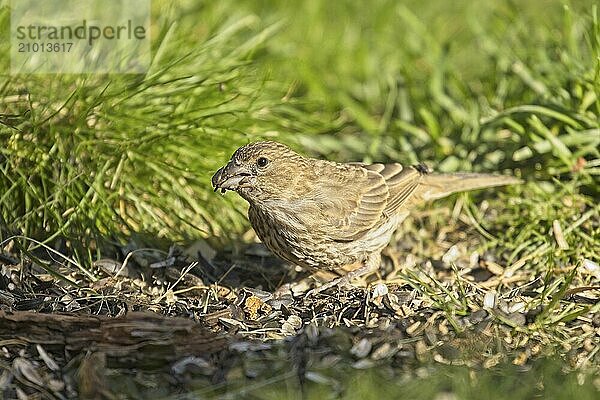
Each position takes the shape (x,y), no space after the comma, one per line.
(93,166)
(502,89)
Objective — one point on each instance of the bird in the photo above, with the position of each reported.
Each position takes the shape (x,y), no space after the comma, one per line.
(325,215)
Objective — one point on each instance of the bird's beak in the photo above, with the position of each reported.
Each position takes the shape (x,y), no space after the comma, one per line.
(229,177)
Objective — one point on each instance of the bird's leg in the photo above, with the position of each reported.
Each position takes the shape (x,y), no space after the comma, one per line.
(371,264)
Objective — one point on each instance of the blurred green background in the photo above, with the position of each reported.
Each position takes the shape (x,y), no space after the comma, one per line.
(462,85)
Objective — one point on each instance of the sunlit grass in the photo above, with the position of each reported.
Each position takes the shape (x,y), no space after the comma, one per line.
(486,86)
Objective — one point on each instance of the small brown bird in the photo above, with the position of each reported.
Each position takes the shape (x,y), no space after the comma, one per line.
(325,215)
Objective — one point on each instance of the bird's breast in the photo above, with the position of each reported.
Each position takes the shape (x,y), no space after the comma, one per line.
(297,240)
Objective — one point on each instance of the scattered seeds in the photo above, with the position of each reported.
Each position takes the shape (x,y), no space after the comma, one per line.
(489,299)
(362,348)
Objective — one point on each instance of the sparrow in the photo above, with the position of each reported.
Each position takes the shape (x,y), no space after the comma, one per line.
(324,215)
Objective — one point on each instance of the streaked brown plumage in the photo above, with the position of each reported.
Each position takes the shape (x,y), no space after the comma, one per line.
(325,215)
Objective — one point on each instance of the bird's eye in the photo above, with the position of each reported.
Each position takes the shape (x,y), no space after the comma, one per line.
(262,162)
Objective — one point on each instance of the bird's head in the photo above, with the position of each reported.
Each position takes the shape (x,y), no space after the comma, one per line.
(260,171)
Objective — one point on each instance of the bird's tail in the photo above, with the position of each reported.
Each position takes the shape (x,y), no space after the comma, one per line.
(435,186)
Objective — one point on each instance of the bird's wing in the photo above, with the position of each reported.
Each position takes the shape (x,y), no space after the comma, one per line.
(402,183)
(347,199)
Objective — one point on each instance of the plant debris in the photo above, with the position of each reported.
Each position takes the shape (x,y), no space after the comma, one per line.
(443,303)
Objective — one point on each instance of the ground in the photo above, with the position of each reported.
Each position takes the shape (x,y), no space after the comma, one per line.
(440,301)
(124,275)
